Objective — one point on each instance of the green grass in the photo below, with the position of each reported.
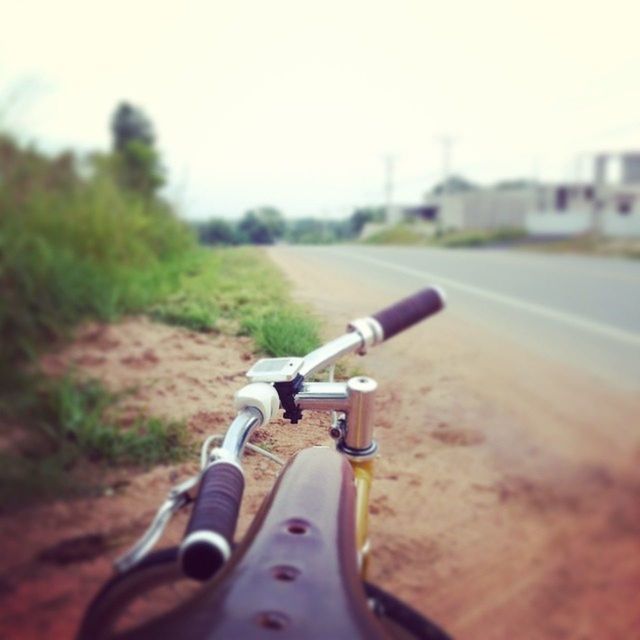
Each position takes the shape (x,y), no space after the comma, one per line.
(455,239)
(406,235)
(239,291)
(590,244)
(286,333)
(401,234)
(79,414)
(236,291)
(75,247)
(69,422)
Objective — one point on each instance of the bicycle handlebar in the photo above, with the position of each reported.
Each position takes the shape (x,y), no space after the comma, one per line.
(407,312)
(209,535)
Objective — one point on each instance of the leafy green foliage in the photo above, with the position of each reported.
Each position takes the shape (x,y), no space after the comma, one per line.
(138,168)
(481,238)
(69,421)
(286,332)
(218,232)
(241,292)
(197,314)
(315,231)
(454,184)
(130,124)
(261,226)
(401,234)
(136,163)
(362,216)
(73,248)
(266,225)
(407,234)
(78,413)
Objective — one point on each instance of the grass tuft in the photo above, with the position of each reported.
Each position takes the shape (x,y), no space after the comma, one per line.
(69,421)
(239,291)
(401,235)
(288,332)
(79,415)
(408,235)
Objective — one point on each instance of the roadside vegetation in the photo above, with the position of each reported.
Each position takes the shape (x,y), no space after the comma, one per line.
(267,225)
(92,239)
(590,244)
(238,291)
(411,235)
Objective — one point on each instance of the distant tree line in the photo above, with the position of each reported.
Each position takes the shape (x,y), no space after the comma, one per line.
(267,225)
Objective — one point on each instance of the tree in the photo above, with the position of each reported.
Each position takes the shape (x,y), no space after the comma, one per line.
(514,184)
(137,164)
(263,225)
(218,231)
(453,184)
(361,216)
(255,230)
(130,124)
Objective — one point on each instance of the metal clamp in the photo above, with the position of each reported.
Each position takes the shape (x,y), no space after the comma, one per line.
(369,329)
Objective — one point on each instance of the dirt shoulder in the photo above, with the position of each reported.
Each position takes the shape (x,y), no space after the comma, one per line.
(507,498)
(55,556)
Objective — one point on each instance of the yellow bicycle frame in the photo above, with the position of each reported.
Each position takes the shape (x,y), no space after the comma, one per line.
(363,477)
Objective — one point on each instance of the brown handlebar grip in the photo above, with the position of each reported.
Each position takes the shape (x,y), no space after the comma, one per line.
(209,535)
(407,312)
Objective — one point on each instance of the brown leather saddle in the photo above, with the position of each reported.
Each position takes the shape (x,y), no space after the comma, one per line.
(295,574)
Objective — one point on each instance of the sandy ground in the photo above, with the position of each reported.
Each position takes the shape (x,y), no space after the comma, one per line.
(507,498)
(55,557)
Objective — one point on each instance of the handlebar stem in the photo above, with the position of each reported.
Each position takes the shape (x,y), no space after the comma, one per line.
(323,396)
(355,399)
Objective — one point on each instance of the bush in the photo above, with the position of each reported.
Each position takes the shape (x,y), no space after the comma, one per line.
(70,420)
(401,234)
(218,232)
(73,248)
(287,332)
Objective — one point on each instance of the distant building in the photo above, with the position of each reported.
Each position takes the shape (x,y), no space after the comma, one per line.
(609,203)
(482,208)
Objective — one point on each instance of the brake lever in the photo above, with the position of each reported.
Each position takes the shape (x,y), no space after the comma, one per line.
(177,498)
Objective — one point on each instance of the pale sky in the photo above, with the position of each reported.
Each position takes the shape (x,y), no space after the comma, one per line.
(296,104)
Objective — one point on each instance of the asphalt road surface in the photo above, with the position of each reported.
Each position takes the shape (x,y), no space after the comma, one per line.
(580,310)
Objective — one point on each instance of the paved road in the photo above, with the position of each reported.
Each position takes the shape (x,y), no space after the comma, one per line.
(581,310)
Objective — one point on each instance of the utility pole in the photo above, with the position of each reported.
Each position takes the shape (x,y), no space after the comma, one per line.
(447,145)
(389,165)
(599,187)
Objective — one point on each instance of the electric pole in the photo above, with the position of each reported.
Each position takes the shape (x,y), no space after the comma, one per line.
(389,164)
(447,146)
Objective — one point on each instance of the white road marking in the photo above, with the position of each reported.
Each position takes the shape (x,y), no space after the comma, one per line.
(626,337)
(538,260)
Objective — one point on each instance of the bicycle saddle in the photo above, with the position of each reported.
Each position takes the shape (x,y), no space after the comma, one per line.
(295,574)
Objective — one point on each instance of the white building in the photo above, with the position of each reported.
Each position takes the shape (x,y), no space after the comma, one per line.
(609,204)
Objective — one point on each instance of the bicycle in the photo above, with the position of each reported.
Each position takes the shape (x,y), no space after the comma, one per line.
(300,570)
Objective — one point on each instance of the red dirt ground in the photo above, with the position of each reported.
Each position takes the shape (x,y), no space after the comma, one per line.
(506,503)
